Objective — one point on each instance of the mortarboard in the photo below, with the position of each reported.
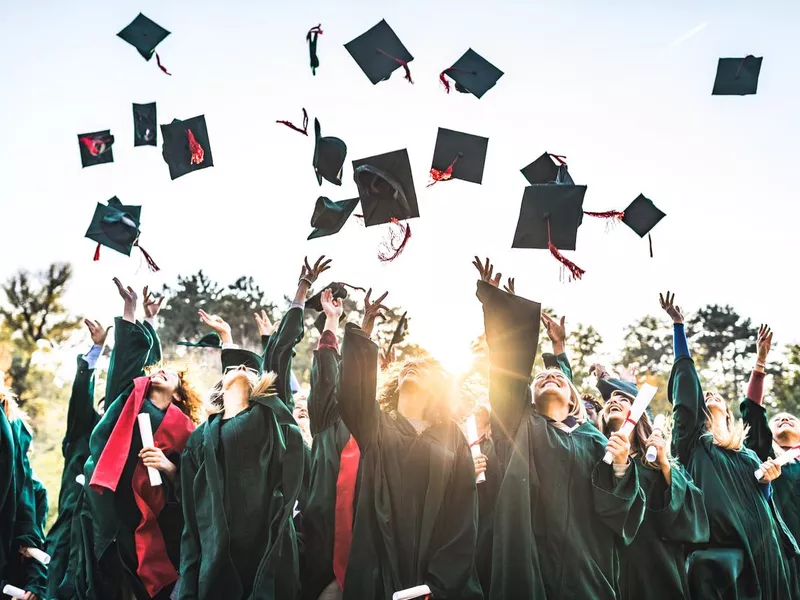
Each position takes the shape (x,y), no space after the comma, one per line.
(96,148)
(145,125)
(144,35)
(458,156)
(737,76)
(311,38)
(185,146)
(238,357)
(472,73)
(209,340)
(549,219)
(329,217)
(379,52)
(544,170)
(607,386)
(386,188)
(339,291)
(642,216)
(116,226)
(329,156)
(399,332)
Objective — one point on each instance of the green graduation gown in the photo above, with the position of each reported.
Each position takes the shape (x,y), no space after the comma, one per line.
(8,492)
(416,521)
(560,512)
(41,500)
(744,558)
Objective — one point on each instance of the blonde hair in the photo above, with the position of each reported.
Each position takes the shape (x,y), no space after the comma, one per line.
(734,434)
(439,388)
(576,409)
(8,402)
(265,386)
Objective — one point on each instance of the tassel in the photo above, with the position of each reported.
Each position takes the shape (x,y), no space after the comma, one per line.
(446,83)
(352,287)
(575,271)
(97,253)
(445,175)
(612,217)
(291,125)
(311,38)
(151,264)
(562,160)
(198,155)
(650,241)
(97,146)
(390,249)
(402,63)
(160,66)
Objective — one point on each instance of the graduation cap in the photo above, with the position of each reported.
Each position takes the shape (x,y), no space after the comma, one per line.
(399,332)
(379,52)
(329,156)
(607,386)
(186,147)
(209,340)
(145,125)
(339,291)
(458,156)
(737,76)
(386,188)
(116,226)
(144,35)
(545,170)
(642,216)
(549,219)
(311,38)
(238,357)
(472,73)
(329,217)
(96,148)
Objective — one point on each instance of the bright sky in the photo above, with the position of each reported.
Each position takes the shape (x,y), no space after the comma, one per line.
(622,88)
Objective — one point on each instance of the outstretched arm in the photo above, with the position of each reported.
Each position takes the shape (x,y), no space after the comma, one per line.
(557,332)
(322,398)
(759,438)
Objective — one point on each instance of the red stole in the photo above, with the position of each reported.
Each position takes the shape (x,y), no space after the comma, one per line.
(345,498)
(154,567)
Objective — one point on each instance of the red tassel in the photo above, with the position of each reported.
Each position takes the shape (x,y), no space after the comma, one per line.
(402,63)
(97,253)
(151,264)
(198,155)
(317,30)
(562,160)
(160,66)
(609,214)
(390,249)
(291,125)
(96,146)
(575,271)
(446,83)
(445,175)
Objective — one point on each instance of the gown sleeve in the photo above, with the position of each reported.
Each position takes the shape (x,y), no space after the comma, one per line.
(322,405)
(357,397)
(279,351)
(155,354)
(759,438)
(680,513)
(190,538)
(688,403)
(81,415)
(132,347)
(620,503)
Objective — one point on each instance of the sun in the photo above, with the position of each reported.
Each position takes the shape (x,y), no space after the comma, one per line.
(458,360)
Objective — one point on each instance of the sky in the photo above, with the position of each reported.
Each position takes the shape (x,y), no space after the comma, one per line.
(622,88)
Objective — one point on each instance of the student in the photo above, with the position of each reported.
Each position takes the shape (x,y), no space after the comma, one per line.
(416,522)
(577,508)
(745,554)
(136,526)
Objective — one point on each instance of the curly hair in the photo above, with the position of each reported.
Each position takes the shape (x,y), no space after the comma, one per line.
(438,387)
(189,400)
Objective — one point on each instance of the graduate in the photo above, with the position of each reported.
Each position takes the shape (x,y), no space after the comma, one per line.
(243,473)
(561,511)
(81,420)
(136,526)
(416,522)
(745,556)
(653,565)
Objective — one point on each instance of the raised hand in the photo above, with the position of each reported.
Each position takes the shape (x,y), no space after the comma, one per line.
(265,326)
(556,331)
(150,304)
(486,271)
(217,324)
(627,374)
(669,306)
(97,331)
(599,371)
(129,297)
(372,310)
(310,274)
(763,343)
(509,287)
(332,307)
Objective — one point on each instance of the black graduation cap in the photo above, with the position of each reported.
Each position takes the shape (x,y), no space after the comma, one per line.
(329,217)
(144,35)
(237,357)
(96,148)
(209,340)
(472,73)
(311,38)
(545,170)
(379,52)
(329,156)
(386,188)
(186,147)
(339,290)
(458,156)
(145,125)
(399,332)
(642,215)
(737,76)
(115,226)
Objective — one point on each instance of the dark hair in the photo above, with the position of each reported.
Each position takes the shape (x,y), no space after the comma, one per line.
(641,433)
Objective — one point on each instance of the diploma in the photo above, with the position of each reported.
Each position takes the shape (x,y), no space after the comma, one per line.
(14,592)
(146,431)
(80,479)
(415,592)
(472,438)
(786,457)
(643,399)
(652,451)
(36,554)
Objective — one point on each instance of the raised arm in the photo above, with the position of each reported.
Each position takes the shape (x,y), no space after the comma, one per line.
(152,306)
(322,404)
(81,415)
(759,437)
(557,332)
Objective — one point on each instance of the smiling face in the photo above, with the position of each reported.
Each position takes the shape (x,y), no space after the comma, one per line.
(238,376)
(616,409)
(785,429)
(551,383)
(715,402)
(300,411)
(164,380)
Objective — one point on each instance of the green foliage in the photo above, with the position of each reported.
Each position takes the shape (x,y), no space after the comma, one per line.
(785,393)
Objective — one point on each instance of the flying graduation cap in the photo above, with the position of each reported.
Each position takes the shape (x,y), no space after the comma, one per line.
(311,39)
(458,156)
(329,156)
(209,340)
(399,333)
(144,35)
(737,76)
(95,148)
(642,216)
(116,226)
(145,125)
(185,146)
(339,292)
(329,217)
(548,168)
(472,73)
(379,53)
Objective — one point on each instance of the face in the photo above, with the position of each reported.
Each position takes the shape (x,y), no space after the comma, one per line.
(482,417)
(300,411)
(413,374)
(551,383)
(164,380)
(617,408)
(239,375)
(784,426)
(715,402)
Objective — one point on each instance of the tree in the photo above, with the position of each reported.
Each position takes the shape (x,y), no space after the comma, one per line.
(648,345)
(583,344)
(785,392)
(33,317)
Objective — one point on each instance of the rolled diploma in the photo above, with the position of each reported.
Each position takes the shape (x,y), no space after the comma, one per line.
(414,592)
(472,437)
(80,479)
(652,451)
(781,460)
(643,399)
(146,431)
(14,592)
(36,554)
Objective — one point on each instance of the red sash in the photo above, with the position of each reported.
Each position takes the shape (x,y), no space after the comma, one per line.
(345,498)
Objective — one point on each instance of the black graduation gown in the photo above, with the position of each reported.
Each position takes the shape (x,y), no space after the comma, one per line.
(416,520)
(487,497)
(745,555)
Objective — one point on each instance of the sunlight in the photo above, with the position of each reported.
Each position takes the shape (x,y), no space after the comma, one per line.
(456,359)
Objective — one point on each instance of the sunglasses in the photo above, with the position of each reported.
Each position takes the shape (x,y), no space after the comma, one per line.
(250,370)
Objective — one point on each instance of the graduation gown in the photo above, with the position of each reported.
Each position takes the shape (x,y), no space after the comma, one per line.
(487,498)
(8,494)
(560,511)
(744,558)
(416,520)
